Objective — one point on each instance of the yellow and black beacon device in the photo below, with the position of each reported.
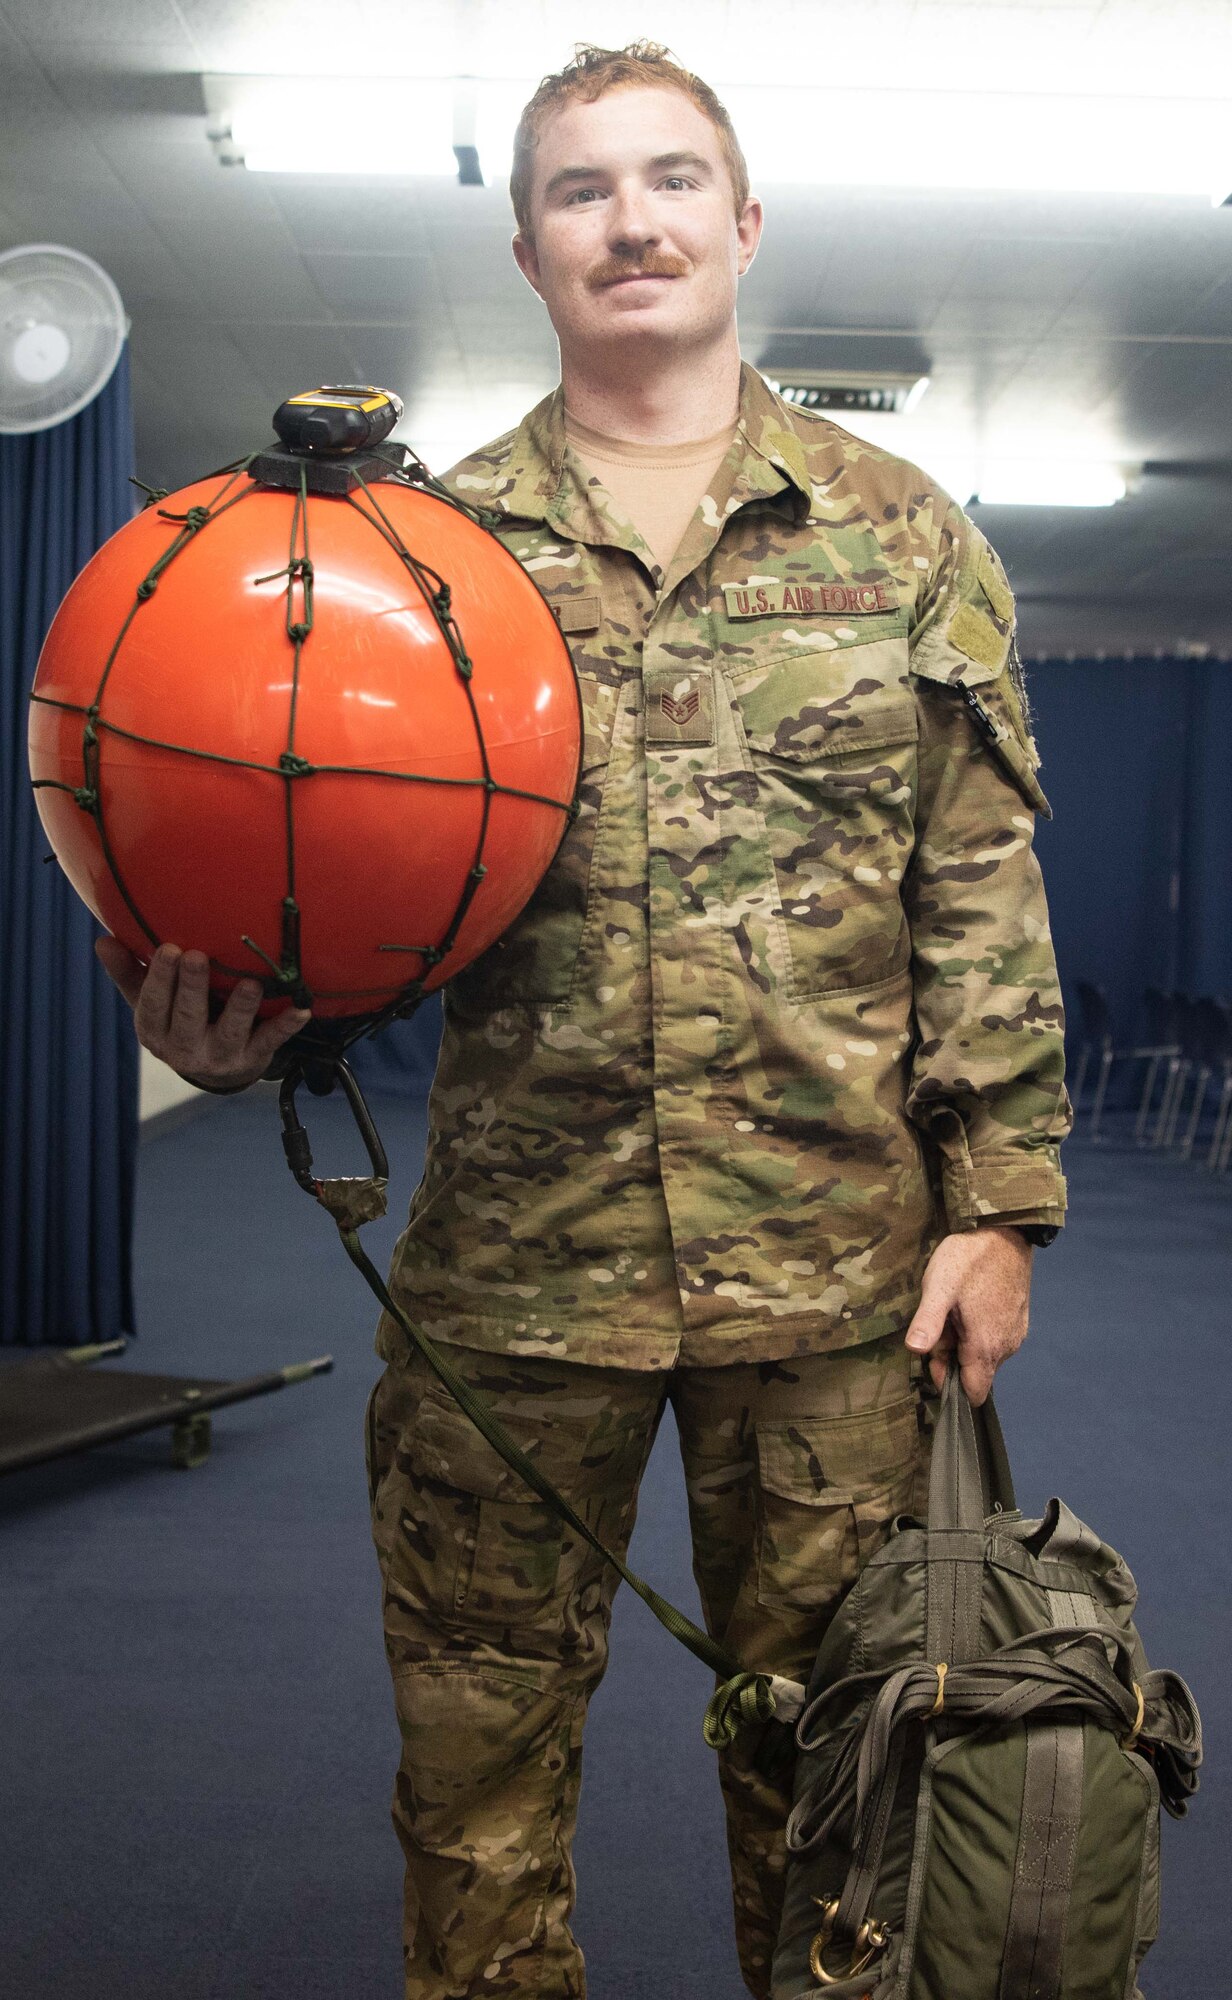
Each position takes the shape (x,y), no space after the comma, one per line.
(333,436)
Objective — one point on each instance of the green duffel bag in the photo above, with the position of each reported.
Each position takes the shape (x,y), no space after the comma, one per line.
(983,1752)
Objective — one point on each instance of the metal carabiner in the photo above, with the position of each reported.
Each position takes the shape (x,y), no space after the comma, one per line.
(870,1941)
(295,1143)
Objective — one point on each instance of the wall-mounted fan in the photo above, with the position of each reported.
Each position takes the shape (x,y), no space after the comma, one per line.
(62,326)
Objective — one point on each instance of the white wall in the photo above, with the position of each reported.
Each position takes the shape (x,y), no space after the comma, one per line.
(160,1087)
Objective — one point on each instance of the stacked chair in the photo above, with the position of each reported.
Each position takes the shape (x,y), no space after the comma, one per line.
(1186,1047)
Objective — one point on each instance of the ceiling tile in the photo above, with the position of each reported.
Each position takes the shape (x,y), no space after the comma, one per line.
(358,286)
(122,23)
(340,215)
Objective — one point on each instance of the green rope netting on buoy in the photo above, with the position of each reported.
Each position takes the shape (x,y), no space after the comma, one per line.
(284,976)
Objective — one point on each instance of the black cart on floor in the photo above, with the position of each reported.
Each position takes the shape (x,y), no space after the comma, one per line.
(58,1403)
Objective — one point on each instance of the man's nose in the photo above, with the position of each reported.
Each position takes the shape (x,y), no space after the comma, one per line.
(631,222)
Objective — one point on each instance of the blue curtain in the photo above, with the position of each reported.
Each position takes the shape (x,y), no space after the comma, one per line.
(68,1101)
(401,1059)
(1205,914)
(1138,859)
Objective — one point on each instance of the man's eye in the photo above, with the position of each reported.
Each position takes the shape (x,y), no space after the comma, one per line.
(677,181)
(578,194)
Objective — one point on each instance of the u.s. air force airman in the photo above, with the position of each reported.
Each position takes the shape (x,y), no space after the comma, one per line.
(784,1010)
(767,1075)
(783,1015)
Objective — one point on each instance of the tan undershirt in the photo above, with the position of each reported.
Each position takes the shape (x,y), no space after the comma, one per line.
(658,486)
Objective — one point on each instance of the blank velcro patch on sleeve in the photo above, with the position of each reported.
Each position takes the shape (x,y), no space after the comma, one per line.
(974,634)
(994,585)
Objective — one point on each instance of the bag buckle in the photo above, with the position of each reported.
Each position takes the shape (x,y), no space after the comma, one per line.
(869,1942)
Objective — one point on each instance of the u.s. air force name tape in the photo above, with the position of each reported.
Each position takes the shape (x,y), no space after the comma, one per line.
(766,598)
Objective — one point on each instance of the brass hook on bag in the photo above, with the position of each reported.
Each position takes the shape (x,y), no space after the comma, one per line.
(870,1941)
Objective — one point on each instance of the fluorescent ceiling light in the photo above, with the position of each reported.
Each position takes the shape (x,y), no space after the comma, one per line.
(845,391)
(314,125)
(443,126)
(1003,476)
(287,149)
(813,136)
(987,140)
(1041,482)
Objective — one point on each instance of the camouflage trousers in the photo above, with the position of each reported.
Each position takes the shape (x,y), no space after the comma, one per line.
(496,1618)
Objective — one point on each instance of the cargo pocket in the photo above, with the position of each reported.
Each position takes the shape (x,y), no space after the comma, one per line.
(474,1546)
(971,653)
(836,777)
(830,1489)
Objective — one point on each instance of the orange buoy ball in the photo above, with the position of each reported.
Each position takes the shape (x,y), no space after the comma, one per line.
(332,741)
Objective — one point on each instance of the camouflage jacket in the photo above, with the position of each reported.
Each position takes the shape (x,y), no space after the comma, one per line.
(785,1008)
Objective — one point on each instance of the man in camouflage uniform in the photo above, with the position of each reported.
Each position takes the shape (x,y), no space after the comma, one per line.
(766,1076)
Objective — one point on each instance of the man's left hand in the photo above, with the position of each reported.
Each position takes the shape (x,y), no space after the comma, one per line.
(974,1300)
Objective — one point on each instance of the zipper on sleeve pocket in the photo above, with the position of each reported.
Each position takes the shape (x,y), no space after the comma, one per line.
(1009,751)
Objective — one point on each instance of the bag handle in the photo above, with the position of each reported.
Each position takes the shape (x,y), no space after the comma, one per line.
(970,1476)
(969,1479)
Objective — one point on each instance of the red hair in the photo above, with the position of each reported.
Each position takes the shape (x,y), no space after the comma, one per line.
(593,71)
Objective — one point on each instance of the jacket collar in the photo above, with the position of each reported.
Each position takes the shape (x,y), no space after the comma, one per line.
(539,484)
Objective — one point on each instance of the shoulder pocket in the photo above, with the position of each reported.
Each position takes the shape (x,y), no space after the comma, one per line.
(995,712)
(970,642)
(970,652)
(997,715)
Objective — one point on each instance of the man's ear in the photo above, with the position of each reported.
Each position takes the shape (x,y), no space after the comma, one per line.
(527,261)
(748,233)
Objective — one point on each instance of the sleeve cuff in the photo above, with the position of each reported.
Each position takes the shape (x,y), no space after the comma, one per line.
(1017,1190)
(1025,1218)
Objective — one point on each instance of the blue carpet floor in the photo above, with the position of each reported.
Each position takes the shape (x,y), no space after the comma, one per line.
(198,1737)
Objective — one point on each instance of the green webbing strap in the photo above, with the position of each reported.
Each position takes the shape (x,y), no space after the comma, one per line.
(1033,1952)
(744,1697)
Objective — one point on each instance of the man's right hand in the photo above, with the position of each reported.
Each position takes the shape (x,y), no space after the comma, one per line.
(171,1014)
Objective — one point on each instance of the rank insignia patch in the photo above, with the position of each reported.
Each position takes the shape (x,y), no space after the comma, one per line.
(679,706)
(681,711)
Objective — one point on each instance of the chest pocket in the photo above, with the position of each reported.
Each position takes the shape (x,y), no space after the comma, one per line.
(832,747)
(534,963)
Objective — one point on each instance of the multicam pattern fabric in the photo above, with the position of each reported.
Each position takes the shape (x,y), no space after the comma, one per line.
(785,1008)
(496,1618)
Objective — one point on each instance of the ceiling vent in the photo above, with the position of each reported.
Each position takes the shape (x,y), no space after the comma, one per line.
(850,389)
